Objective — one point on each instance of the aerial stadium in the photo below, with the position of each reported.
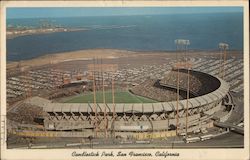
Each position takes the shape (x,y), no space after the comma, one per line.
(125,119)
(180,101)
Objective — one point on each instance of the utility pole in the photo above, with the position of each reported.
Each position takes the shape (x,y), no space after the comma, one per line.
(108,68)
(94,94)
(104,101)
(113,94)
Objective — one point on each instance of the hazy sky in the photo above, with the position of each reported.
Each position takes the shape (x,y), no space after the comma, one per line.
(101,11)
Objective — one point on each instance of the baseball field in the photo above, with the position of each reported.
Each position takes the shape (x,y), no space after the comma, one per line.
(120,97)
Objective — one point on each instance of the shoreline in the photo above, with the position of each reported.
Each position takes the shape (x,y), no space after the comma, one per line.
(88,54)
(70,56)
(30,32)
(11,34)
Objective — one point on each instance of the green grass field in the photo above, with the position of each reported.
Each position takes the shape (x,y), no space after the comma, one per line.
(120,97)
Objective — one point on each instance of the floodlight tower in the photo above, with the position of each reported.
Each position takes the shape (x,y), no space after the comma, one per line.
(181,45)
(223,50)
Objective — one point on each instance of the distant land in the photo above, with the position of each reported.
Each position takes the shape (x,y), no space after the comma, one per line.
(13,33)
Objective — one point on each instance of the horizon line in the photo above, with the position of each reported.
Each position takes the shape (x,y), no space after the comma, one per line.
(81,16)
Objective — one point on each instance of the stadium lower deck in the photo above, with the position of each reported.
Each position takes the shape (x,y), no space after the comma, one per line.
(23,116)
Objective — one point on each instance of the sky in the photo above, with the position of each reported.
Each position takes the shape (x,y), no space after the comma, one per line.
(51,12)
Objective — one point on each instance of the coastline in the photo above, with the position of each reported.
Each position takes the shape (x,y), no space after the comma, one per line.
(89,54)
(71,56)
(10,34)
(30,32)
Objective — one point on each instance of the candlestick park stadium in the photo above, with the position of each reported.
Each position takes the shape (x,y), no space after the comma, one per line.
(180,104)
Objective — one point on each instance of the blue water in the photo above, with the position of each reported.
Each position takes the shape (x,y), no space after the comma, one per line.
(142,33)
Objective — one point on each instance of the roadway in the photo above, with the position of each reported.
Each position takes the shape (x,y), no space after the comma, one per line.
(229,140)
(238,111)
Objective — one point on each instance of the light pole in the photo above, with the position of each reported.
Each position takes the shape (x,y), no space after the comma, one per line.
(182,45)
(223,50)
